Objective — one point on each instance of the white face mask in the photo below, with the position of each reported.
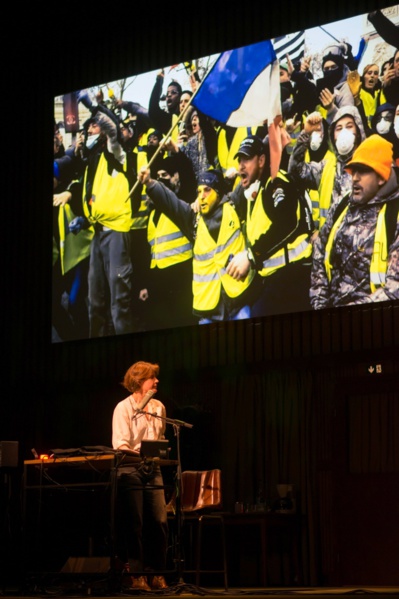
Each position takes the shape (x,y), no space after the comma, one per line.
(91,140)
(345,141)
(315,140)
(383,127)
(252,191)
(396,126)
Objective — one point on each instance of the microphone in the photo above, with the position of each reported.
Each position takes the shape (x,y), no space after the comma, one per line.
(146,399)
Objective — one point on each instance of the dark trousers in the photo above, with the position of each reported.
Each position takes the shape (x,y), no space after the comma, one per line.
(285,291)
(110,284)
(141,519)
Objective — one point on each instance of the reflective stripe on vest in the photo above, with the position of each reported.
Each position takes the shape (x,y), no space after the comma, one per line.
(321,198)
(211,258)
(379,259)
(168,244)
(301,248)
(258,223)
(140,218)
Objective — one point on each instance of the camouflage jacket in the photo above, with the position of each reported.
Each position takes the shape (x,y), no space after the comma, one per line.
(351,254)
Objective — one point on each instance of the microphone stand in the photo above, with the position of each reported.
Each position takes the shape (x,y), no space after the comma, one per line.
(177,424)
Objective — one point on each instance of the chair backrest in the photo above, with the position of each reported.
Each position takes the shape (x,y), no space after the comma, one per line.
(201,489)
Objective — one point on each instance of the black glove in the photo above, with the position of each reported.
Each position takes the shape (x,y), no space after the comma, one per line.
(77,224)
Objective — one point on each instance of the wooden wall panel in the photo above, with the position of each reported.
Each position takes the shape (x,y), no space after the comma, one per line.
(288,337)
(296,333)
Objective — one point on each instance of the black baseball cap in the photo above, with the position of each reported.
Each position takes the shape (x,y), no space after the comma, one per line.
(251,146)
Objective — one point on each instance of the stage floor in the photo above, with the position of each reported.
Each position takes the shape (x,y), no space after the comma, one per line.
(100,588)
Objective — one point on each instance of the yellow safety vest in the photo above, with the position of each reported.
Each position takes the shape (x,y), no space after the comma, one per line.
(323,111)
(370,103)
(379,259)
(73,248)
(140,218)
(321,198)
(144,138)
(382,98)
(211,258)
(110,203)
(258,223)
(168,244)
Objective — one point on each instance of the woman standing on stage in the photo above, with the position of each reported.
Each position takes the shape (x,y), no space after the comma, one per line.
(141,517)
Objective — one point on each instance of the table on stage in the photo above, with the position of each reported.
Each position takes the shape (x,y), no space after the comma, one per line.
(81,488)
(267,529)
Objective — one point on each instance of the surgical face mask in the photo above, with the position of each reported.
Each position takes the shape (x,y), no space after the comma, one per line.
(383,127)
(315,140)
(396,126)
(252,191)
(345,141)
(91,140)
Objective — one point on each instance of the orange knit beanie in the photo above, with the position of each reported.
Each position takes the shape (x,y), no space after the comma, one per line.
(376,153)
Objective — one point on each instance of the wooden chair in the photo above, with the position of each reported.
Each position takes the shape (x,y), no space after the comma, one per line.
(201,503)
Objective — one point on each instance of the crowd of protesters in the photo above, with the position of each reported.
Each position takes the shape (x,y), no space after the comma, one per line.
(164,217)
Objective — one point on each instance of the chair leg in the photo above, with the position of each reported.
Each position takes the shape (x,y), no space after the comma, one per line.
(198,569)
(226,586)
(198,553)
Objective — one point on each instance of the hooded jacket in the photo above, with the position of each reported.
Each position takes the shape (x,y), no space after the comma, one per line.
(309,174)
(352,248)
(337,81)
(390,136)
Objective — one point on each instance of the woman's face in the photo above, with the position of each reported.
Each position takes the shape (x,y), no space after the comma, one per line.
(184,100)
(195,124)
(149,384)
(370,77)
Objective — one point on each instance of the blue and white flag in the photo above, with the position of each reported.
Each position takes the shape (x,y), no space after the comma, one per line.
(292,44)
(243,87)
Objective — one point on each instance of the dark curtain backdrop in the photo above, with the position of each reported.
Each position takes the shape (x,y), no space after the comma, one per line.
(267,425)
(373,421)
(267,434)
(262,426)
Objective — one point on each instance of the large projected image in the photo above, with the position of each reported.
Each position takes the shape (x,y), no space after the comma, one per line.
(259,181)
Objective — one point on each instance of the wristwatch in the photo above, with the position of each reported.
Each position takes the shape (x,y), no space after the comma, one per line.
(251,258)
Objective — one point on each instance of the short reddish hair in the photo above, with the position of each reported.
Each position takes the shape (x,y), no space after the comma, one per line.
(138,373)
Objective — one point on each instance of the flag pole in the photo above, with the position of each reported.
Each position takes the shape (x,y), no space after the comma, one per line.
(168,135)
(330,34)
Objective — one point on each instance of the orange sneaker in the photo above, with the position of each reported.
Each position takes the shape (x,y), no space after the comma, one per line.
(139,583)
(158,583)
